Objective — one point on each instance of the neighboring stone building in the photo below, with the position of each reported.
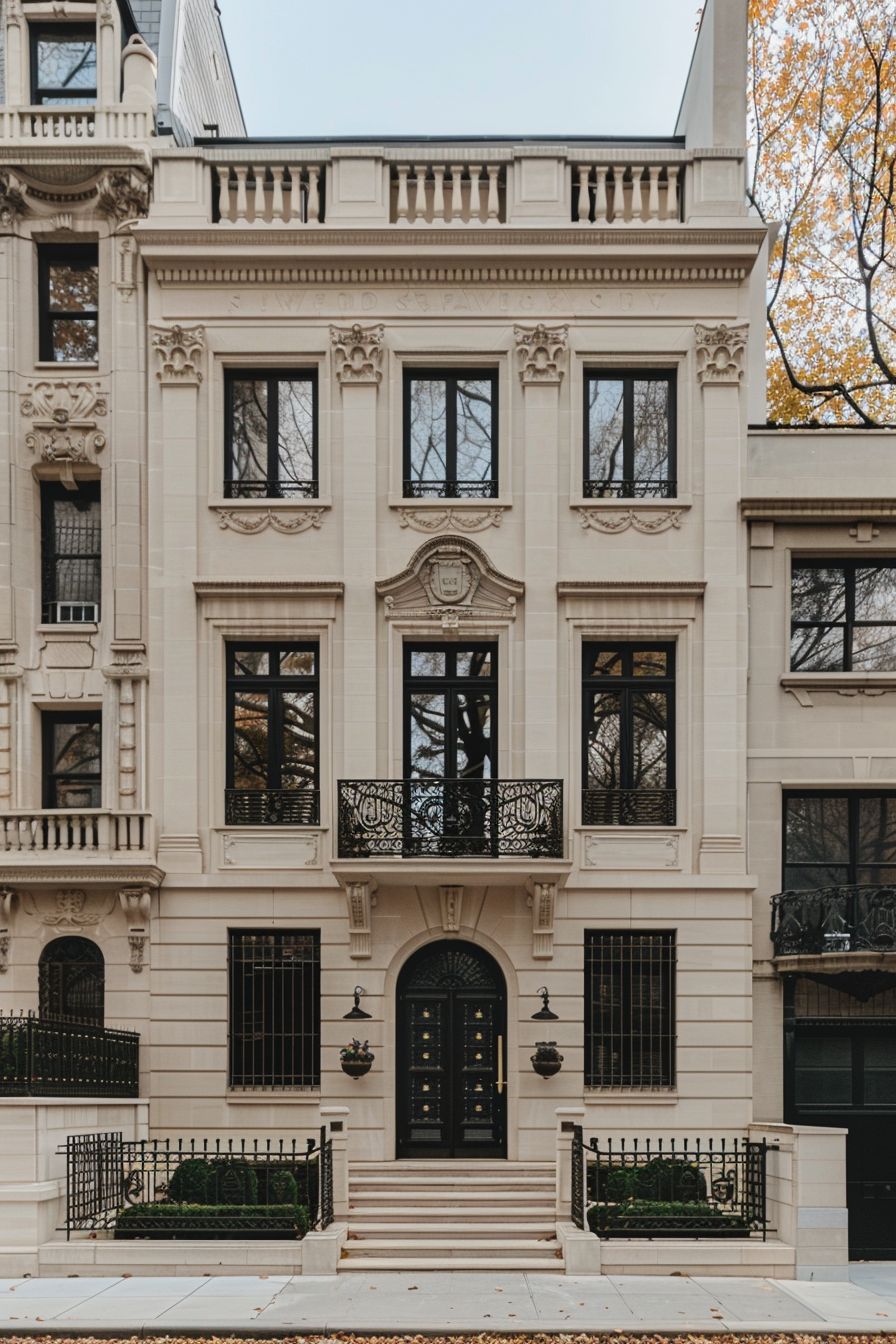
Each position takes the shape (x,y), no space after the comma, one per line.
(394,613)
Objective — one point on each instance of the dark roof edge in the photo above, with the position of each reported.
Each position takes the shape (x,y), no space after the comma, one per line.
(127,15)
(647,142)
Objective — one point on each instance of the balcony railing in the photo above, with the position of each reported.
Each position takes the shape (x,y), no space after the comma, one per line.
(834,919)
(272,193)
(65,124)
(655,488)
(271,807)
(88,832)
(455,818)
(448,193)
(451,490)
(626,193)
(46,1057)
(628,807)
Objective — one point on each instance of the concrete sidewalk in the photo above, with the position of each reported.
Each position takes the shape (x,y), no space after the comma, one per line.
(446,1301)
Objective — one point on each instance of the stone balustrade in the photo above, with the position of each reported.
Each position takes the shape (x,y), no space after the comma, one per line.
(75,123)
(277,194)
(88,833)
(448,193)
(621,193)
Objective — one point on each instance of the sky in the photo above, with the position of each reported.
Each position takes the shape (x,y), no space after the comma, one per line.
(466,67)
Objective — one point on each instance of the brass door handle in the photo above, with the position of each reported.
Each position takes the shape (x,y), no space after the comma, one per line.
(500,1083)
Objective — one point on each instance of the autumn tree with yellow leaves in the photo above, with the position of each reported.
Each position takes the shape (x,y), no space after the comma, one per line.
(823,127)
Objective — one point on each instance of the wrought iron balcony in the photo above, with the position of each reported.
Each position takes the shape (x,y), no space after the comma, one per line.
(628,807)
(453,818)
(48,1057)
(271,807)
(652,488)
(834,919)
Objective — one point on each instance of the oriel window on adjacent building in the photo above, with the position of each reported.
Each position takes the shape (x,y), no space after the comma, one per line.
(274,1008)
(843,616)
(450,434)
(629,435)
(63,64)
(72,759)
(272,432)
(629,1009)
(68,281)
(71,557)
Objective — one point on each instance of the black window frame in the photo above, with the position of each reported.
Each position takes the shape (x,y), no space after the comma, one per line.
(450,487)
(627,487)
(272,808)
(634,806)
(450,682)
(849,622)
(271,487)
(50,491)
(629,1036)
(253,1051)
(48,97)
(853,863)
(75,256)
(49,776)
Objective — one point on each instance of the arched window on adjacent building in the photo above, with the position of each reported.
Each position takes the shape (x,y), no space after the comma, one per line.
(71,981)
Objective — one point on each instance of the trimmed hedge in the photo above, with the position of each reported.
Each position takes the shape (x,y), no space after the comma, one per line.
(665,1218)
(202,1180)
(212,1222)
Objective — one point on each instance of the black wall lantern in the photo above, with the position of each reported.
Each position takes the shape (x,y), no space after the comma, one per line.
(544,1013)
(356,1011)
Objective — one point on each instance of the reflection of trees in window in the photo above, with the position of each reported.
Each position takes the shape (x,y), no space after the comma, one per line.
(629,435)
(450,705)
(450,434)
(63,65)
(839,839)
(843,616)
(272,435)
(72,760)
(69,302)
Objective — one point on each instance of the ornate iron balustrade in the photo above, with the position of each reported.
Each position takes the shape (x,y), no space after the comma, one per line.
(834,919)
(182,1188)
(456,818)
(270,489)
(451,490)
(628,807)
(45,1057)
(271,807)
(656,488)
(676,1188)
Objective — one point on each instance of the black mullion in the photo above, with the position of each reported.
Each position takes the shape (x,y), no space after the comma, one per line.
(850,586)
(451,435)
(273,427)
(853,814)
(628,430)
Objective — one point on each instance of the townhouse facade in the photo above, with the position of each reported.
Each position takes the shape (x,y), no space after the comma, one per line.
(409,630)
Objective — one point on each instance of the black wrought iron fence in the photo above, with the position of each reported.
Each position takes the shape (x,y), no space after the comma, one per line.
(670,1188)
(51,1057)
(182,1189)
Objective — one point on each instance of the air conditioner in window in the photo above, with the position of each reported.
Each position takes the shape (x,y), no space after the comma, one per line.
(74,613)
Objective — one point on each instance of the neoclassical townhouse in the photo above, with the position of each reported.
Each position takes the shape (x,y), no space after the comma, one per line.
(411,632)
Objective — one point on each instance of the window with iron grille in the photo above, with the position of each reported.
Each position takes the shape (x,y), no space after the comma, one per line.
(628,702)
(629,1009)
(842,616)
(274,997)
(69,286)
(271,434)
(451,434)
(272,735)
(839,839)
(72,751)
(629,435)
(63,64)
(70,552)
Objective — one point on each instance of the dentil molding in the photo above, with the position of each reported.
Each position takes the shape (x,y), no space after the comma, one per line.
(288,521)
(612,521)
(358,354)
(720,353)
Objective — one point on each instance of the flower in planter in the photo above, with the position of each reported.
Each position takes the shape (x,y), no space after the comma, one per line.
(356,1053)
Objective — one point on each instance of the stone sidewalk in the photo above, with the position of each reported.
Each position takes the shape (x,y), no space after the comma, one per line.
(444,1301)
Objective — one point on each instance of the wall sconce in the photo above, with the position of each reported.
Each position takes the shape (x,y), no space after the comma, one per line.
(544,1013)
(357,1011)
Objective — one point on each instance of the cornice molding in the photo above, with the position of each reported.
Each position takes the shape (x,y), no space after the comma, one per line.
(61,875)
(440,275)
(268,587)
(769,509)
(500,239)
(626,587)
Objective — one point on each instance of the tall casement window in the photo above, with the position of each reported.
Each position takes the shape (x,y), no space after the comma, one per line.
(629,1009)
(272,729)
(70,552)
(628,704)
(68,282)
(450,711)
(843,616)
(63,64)
(72,751)
(839,839)
(274,1000)
(451,434)
(629,435)
(271,420)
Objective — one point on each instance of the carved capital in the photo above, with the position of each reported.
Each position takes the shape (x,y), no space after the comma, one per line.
(128,662)
(250,521)
(7,902)
(63,429)
(361,899)
(123,193)
(451,900)
(720,353)
(181,352)
(358,354)
(543,901)
(135,902)
(12,199)
(106,14)
(542,353)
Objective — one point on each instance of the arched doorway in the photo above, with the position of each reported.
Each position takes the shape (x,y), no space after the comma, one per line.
(71,981)
(451,1093)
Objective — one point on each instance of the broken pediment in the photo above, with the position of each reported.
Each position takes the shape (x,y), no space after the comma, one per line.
(450,580)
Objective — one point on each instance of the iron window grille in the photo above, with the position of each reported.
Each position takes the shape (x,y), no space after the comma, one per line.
(272,735)
(70,553)
(843,616)
(63,64)
(272,434)
(451,434)
(274,994)
(628,738)
(629,423)
(71,981)
(630,1030)
(72,755)
(68,285)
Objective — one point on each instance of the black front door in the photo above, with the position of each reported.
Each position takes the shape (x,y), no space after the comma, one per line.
(451,1094)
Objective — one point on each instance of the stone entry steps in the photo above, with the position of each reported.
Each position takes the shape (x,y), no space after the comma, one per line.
(481,1215)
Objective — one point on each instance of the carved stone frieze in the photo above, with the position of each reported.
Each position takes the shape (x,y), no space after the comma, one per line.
(12,199)
(181,352)
(620,520)
(449,580)
(720,353)
(250,521)
(451,900)
(137,943)
(357,353)
(542,353)
(448,520)
(71,908)
(63,429)
(4,953)
(123,193)
(542,901)
(361,898)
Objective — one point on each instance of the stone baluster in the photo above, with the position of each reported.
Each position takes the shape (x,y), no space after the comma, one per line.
(277,195)
(402,207)
(475,196)
(313,195)
(672,210)
(295,194)
(259,203)
(493,207)
(600,196)
(584,209)
(618,193)
(225,204)
(242,199)
(637,198)
(420,193)
(438,192)
(457,198)
(653,196)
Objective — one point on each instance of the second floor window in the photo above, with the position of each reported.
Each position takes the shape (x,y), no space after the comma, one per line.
(450,710)
(839,839)
(271,435)
(629,435)
(843,616)
(63,64)
(72,746)
(70,541)
(69,303)
(628,697)
(450,434)
(272,735)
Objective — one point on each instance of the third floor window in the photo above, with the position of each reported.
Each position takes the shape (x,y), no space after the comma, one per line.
(451,434)
(63,64)
(68,278)
(271,434)
(70,544)
(629,435)
(843,616)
